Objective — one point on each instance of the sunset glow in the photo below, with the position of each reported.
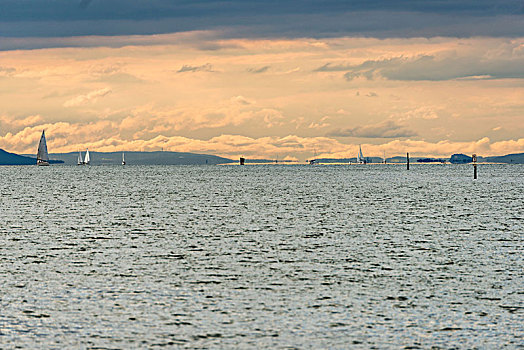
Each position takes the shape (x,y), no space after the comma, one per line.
(202,91)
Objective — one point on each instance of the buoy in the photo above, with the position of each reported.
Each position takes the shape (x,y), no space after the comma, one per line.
(474,160)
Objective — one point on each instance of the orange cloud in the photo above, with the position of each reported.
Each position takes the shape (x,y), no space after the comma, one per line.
(125,92)
(13,123)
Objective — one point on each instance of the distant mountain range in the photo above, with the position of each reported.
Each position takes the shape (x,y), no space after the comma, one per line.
(184,158)
(110,158)
(143,158)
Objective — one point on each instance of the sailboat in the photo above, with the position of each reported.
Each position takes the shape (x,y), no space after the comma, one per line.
(314,160)
(80,161)
(42,157)
(360,156)
(123,159)
(87,160)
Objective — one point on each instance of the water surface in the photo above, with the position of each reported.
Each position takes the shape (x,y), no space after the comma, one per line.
(262,256)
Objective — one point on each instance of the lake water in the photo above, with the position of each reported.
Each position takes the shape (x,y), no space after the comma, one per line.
(267,256)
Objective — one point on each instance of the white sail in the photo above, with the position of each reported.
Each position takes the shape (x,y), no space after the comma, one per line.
(87,159)
(79,161)
(360,156)
(42,157)
(123,159)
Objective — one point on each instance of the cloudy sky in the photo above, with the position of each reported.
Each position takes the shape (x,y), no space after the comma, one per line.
(272,79)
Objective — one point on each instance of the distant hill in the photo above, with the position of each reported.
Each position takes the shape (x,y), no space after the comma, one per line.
(515,158)
(143,158)
(7,158)
(460,159)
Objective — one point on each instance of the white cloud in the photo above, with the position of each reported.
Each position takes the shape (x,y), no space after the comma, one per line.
(242,100)
(322,123)
(89,97)
(66,137)
(425,112)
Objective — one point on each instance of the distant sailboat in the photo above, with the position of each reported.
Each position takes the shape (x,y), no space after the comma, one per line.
(123,159)
(42,157)
(360,156)
(314,160)
(87,160)
(80,161)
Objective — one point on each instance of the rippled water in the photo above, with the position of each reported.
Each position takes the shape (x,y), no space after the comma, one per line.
(262,257)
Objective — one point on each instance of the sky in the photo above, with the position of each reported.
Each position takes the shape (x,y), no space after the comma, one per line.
(263,79)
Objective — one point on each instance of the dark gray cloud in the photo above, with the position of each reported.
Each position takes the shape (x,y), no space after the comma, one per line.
(386,129)
(259,70)
(199,40)
(269,18)
(46,10)
(434,68)
(6,70)
(329,67)
(203,68)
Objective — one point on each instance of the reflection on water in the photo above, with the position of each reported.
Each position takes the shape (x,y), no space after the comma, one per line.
(262,256)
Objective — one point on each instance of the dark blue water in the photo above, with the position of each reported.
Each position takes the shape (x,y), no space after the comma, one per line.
(262,257)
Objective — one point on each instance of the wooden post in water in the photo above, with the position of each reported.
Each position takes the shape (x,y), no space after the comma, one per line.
(407,158)
(242,160)
(474,160)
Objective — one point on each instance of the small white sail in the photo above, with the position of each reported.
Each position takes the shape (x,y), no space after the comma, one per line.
(80,161)
(42,157)
(87,159)
(123,159)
